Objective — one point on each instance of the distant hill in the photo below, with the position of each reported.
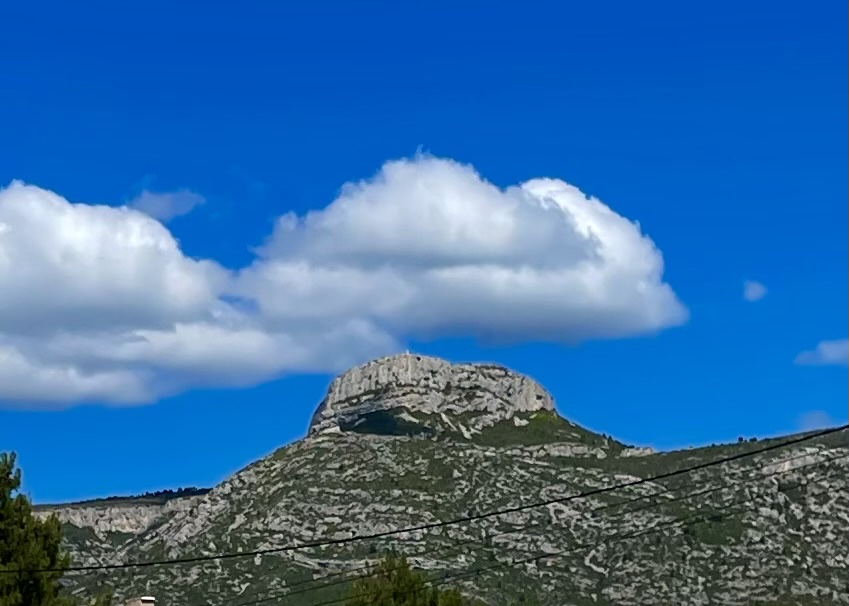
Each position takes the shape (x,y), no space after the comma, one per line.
(157,497)
(412,440)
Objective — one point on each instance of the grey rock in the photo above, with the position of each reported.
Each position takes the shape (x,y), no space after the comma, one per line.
(496,442)
(431,386)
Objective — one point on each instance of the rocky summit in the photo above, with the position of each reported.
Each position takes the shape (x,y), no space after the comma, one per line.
(410,440)
(427,395)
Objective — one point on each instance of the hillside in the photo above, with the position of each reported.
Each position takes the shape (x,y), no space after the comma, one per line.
(407,441)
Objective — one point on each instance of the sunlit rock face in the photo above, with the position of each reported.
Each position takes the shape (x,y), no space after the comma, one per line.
(430,391)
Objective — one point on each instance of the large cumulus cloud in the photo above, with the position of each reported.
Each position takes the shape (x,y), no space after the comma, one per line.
(100,304)
(428,247)
(68,267)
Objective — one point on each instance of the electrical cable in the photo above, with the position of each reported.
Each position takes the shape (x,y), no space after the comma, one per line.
(593,512)
(432,525)
(458,546)
(696,518)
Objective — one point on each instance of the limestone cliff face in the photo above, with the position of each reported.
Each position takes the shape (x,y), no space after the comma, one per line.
(126,518)
(482,394)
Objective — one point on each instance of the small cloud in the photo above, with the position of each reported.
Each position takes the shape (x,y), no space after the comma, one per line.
(753,291)
(164,206)
(816,419)
(827,353)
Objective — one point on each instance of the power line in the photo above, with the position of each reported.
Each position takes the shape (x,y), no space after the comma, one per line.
(290,593)
(696,518)
(457,547)
(687,521)
(433,525)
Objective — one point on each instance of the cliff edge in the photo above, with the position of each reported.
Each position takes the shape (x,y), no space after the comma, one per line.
(427,393)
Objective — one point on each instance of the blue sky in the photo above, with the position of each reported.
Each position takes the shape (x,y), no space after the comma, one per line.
(721,130)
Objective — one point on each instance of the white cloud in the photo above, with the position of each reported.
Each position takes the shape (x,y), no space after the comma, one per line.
(817,419)
(100,304)
(34,382)
(826,353)
(428,247)
(75,266)
(164,206)
(753,291)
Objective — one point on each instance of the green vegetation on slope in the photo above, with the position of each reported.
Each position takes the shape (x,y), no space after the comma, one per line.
(385,422)
(543,427)
(28,545)
(393,583)
(370,482)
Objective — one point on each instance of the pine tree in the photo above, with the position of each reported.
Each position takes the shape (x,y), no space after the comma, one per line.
(27,545)
(393,583)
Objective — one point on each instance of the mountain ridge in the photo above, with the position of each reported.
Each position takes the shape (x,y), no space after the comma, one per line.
(354,476)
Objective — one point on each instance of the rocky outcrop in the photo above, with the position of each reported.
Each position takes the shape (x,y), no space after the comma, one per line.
(483,394)
(642,451)
(771,530)
(125,518)
(786,545)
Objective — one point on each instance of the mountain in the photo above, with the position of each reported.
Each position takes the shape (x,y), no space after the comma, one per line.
(410,440)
